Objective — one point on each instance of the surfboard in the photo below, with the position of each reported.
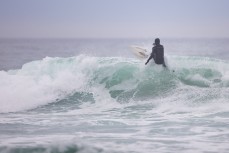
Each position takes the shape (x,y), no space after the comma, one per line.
(139,52)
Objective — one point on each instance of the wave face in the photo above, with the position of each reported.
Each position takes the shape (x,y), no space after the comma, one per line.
(123,80)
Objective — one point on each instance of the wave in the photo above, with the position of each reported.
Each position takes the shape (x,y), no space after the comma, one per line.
(67,146)
(84,78)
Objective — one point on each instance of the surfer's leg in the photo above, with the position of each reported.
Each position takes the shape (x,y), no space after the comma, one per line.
(164,65)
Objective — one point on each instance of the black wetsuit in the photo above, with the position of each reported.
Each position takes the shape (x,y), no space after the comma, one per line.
(158,55)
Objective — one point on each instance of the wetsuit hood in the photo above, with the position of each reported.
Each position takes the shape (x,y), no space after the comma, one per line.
(157,41)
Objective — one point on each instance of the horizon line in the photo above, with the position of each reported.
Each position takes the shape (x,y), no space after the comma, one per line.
(168,37)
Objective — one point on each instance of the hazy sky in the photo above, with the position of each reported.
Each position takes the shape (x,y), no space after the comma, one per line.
(114,18)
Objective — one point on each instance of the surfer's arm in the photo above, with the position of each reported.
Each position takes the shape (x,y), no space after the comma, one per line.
(151,56)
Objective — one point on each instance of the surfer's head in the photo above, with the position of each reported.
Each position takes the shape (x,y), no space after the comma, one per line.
(157,41)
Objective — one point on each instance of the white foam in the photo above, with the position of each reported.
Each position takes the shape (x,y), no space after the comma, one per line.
(41,82)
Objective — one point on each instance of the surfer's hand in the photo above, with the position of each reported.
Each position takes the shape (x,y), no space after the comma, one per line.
(146,63)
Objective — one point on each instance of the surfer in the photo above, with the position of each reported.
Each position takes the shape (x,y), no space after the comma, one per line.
(157,53)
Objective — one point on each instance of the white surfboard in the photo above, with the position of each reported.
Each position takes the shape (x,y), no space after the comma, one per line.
(139,52)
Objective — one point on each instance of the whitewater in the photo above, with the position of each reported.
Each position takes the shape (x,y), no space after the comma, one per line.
(111,104)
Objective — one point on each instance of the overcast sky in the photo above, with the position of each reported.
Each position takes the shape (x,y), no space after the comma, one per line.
(114,18)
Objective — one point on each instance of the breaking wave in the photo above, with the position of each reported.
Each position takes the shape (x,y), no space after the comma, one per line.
(75,80)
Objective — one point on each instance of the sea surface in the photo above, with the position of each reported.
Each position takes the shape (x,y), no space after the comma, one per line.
(95,96)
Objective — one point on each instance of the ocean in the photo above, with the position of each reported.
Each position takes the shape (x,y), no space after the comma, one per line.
(95,96)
